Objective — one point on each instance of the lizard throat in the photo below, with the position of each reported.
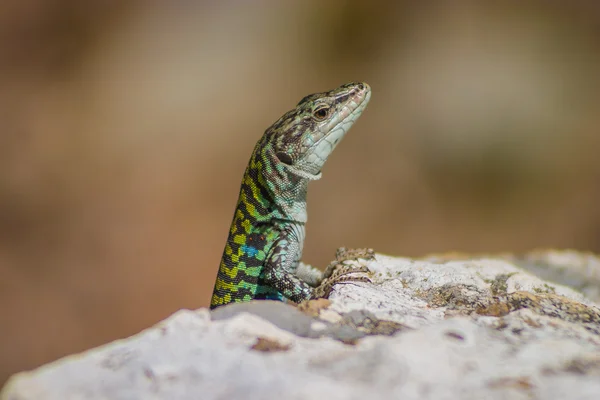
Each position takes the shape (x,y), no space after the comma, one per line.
(304,174)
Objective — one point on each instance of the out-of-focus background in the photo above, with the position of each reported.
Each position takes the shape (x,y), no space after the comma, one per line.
(125,128)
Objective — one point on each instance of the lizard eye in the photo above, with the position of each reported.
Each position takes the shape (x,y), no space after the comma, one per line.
(321,113)
(284,158)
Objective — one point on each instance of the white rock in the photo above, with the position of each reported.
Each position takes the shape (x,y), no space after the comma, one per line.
(473,329)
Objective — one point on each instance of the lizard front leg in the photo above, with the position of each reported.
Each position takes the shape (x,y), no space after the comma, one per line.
(282,260)
(282,277)
(347,262)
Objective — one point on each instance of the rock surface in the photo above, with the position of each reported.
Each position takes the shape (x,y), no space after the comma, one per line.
(444,327)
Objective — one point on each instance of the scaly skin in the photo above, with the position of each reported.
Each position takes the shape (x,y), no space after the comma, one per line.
(266,237)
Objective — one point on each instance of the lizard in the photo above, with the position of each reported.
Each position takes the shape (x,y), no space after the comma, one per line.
(266,237)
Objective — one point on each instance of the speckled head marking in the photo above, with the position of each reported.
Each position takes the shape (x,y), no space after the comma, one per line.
(304,137)
(267,233)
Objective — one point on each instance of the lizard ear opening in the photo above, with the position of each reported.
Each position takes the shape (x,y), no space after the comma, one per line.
(284,158)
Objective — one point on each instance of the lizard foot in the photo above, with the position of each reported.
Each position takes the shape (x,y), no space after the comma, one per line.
(347,262)
(349,257)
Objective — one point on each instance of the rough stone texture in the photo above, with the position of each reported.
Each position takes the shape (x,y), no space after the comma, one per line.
(444,327)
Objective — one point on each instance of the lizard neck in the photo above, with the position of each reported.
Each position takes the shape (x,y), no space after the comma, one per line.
(279,192)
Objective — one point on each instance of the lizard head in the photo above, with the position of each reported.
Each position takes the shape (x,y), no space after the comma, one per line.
(303,138)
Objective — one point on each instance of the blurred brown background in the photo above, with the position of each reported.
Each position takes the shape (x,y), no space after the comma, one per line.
(125,127)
